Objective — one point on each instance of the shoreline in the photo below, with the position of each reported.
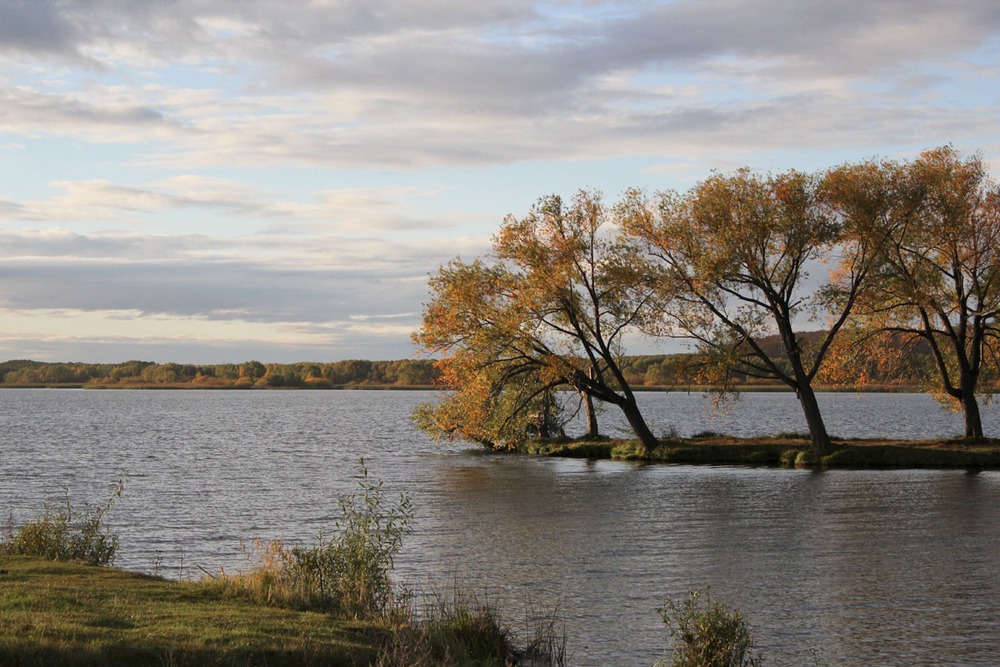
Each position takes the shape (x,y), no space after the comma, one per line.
(789,452)
(665,389)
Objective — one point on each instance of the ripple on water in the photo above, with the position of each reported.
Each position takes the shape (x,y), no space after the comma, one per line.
(888,567)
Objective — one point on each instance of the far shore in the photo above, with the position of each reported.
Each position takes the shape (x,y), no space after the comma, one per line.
(685,389)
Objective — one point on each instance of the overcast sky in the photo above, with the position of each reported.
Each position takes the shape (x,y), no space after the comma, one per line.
(212,181)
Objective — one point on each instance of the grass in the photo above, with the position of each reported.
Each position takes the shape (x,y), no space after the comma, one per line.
(61,533)
(330,603)
(463,628)
(65,613)
(348,572)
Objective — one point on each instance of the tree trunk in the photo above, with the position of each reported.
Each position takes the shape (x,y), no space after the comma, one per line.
(543,422)
(588,408)
(817,429)
(803,389)
(647,440)
(973,420)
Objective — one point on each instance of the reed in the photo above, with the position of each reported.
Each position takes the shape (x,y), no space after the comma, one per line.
(461,627)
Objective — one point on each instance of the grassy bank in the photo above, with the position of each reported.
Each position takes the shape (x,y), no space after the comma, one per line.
(63,613)
(328,602)
(786,451)
(75,615)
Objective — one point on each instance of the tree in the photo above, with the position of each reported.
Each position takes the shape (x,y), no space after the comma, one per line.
(252,370)
(939,281)
(549,308)
(731,258)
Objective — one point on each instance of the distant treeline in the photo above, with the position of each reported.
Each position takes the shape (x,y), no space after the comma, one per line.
(249,374)
(655,370)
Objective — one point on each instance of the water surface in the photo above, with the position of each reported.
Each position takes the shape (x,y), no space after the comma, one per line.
(860,567)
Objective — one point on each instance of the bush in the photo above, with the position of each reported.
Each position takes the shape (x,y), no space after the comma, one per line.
(348,573)
(352,570)
(60,535)
(707,635)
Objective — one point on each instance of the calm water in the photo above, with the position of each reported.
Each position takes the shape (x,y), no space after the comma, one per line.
(856,567)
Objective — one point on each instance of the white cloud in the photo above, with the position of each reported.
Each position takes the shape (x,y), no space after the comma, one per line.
(304,164)
(255,278)
(345,211)
(400,86)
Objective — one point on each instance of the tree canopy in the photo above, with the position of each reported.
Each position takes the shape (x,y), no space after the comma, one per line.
(939,268)
(731,258)
(765,273)
(548,308)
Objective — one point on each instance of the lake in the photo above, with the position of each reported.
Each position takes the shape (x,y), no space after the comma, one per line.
(832,568)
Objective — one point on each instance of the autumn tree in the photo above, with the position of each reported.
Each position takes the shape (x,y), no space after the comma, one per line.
(732,257)
(548,308)
(939,282)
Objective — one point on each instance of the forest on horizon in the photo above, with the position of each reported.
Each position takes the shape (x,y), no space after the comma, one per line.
(679,370)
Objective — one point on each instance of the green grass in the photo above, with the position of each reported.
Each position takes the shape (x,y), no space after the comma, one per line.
(61,533)
(329,603)
(348,572)
(63,613)
(67,613)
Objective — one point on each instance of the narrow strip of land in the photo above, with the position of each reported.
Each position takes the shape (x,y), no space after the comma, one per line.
(784,451)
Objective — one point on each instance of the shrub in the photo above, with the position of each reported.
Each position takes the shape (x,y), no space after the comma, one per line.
(348,573)
(707,635)
(60,534)
(352,570)
(458,629)
(791,435)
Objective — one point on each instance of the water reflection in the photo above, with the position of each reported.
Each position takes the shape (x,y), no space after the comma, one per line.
(863,567)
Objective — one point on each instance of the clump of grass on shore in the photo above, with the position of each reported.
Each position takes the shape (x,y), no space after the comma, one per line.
(463,628)
(349,575)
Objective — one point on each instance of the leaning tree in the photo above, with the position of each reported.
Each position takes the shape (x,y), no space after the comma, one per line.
(732,257)
(548,308)
(938,286)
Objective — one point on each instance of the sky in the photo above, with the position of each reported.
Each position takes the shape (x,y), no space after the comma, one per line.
(213,181)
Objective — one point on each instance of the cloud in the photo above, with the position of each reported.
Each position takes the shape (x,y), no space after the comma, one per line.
(390,85)
(98,118)
(111,336)
(295,169)
(35,26)
(348,210)
(255,278)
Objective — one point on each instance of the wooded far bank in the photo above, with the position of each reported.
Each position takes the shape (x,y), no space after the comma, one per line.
(655,371)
